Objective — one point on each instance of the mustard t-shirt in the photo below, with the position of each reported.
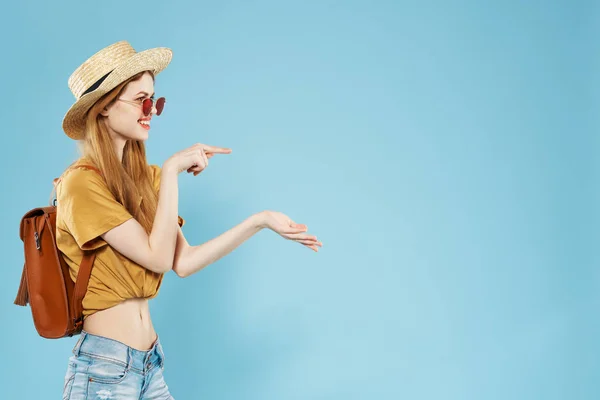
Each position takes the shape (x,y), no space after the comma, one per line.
(85,210)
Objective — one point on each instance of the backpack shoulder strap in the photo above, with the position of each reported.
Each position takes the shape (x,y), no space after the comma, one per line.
(85,268)
(81,285)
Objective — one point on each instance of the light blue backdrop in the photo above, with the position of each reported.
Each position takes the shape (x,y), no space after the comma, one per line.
(442,151)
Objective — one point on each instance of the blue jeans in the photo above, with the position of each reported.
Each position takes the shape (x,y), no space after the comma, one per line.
(105,369)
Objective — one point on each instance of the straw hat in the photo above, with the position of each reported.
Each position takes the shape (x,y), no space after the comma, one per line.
(104,71)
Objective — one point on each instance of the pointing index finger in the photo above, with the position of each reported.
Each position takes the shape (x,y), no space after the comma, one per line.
(214,149)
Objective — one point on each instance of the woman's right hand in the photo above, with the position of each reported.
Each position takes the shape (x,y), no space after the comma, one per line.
(194,159)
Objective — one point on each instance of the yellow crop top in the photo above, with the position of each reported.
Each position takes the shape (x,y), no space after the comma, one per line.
(85,210)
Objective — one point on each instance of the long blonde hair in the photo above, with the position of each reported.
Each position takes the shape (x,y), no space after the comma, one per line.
(127,180)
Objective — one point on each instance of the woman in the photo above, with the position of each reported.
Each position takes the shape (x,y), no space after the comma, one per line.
(111,201)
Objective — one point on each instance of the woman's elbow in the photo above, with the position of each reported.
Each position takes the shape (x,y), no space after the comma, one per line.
(181,272)
(160,264)
(179,260)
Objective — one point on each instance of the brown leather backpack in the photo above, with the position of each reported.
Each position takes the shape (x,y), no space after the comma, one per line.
(56,302)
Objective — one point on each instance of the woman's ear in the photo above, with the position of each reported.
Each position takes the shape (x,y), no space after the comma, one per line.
(104,112)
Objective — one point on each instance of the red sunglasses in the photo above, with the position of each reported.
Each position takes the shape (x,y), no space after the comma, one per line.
(148,103)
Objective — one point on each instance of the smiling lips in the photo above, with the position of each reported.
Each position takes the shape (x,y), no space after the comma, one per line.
(145,123)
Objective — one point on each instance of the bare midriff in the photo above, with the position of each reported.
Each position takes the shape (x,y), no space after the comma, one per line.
(128,322)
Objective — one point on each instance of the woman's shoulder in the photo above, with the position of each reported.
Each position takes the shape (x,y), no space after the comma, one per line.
(84,170)
(81,173)
(84,162)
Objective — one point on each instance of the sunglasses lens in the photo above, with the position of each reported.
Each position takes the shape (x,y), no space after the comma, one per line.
(147,106)
(160,104)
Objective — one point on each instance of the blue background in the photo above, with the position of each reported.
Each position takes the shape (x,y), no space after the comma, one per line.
(442,151)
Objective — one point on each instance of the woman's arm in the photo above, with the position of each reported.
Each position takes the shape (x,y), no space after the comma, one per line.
(191,259)
(157,250)
(154,251)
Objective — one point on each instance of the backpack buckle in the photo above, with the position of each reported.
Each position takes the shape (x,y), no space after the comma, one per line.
(36,236)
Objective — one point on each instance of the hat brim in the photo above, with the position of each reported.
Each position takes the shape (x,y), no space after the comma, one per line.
(154,60)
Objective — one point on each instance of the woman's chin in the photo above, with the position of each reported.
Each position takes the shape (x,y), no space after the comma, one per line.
(137,138)
(143,135)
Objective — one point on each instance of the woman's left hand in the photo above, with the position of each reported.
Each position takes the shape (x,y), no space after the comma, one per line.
(288,229)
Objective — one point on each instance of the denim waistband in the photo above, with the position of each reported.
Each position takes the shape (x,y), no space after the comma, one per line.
(111,349)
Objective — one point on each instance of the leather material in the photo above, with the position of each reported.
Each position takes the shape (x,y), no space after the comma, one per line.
(46,285)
